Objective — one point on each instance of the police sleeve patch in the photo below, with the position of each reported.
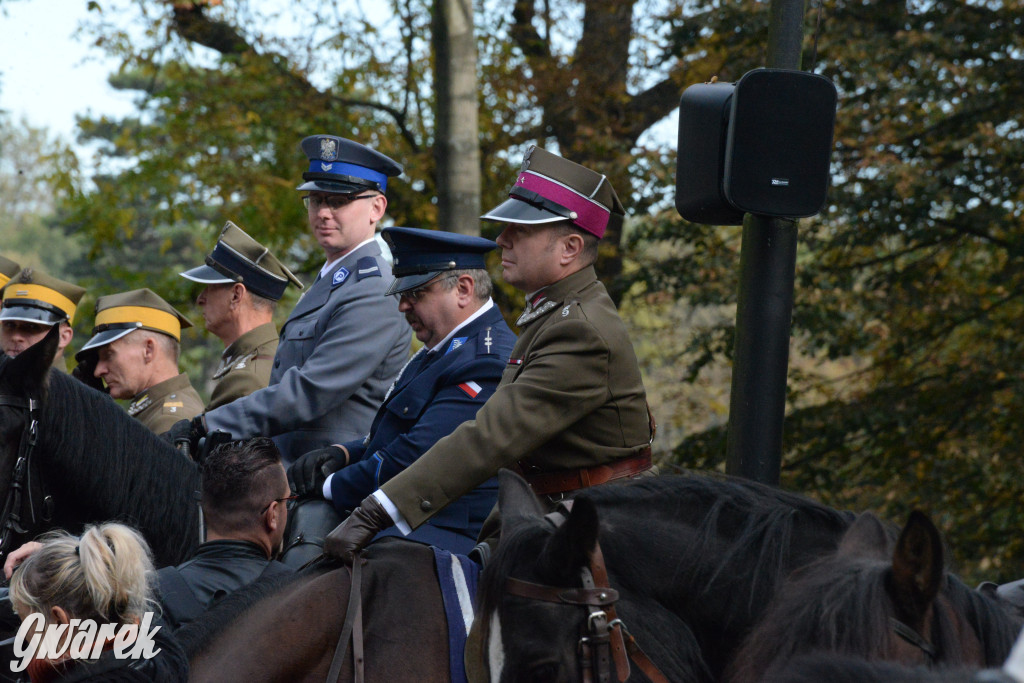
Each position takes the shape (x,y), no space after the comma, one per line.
(367,267)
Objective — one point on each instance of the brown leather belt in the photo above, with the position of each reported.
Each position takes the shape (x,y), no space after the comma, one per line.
(563,481)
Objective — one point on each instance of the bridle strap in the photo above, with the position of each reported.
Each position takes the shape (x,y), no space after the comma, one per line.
(595,597)
(351,629)
(20,476)
(914,638)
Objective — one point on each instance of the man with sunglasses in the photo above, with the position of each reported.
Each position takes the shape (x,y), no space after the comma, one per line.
(444,290)
(344,341)
(244,501)
(571,410)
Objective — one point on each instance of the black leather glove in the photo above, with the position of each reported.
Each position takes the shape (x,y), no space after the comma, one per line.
(185,435)
(84,372)
(307,475)
(356,532)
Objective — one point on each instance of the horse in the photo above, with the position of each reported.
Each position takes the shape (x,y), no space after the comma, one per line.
(691,558)
(879,600)
(288,628)
(827,666)
(86,461)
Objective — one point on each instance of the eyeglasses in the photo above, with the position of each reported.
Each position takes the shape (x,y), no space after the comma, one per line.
(414,295)
(331,201)
(277,500)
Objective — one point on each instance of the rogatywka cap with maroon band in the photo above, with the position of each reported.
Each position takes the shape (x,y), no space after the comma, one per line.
(550,189)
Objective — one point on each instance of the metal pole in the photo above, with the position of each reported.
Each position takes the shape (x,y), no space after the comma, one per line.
(764,309)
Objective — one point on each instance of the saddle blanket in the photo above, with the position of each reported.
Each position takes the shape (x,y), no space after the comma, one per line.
(457,576)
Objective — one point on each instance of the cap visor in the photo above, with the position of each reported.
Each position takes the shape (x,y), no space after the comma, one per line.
(514,210)
(330,186)
(407,282)
(29,314)
(105,337)
(206,275)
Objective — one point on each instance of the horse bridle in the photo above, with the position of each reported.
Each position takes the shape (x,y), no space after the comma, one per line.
(604,639)
(21,475)
(908,634)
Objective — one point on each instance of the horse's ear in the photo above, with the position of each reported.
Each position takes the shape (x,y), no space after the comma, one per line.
(917,565)
(28,370)
(573,543)
(866,537)
(516,500)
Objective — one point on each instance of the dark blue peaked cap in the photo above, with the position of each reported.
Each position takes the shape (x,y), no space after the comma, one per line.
(420,255)
(343,166)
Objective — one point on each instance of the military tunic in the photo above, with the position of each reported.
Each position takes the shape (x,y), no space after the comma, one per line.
(340,350)
(571,396)
(165,403)
(435,393)
(244,366)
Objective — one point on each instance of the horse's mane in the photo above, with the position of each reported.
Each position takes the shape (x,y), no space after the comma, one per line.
(996,626)
(729,523)
(196,636)
(114,468)
(827,666)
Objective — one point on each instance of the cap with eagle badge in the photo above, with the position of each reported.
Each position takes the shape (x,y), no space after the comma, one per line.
(33,296)
(342,166)
(550,189)
(8,269)
(237,257)
(420,255)
(139,309)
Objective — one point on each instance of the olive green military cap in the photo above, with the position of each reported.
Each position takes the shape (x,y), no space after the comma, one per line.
(33,296)
(8,269)
(237,257)
(550,189)
(139,309)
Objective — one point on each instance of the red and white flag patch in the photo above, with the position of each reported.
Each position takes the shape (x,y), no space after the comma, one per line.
(471,388)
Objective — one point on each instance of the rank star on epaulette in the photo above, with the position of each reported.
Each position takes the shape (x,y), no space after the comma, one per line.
(138,405)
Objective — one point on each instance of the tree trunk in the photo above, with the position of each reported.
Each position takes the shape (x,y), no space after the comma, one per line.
(457,147)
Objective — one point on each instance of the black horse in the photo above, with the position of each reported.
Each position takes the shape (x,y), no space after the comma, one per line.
(827,666)
(694,559)
(90,462)
(879,600)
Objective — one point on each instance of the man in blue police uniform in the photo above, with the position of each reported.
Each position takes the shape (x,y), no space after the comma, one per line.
(344,342)
(444,290)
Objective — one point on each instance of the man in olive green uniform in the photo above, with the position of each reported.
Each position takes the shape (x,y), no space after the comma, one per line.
(33,302)
(134,349)
(570,410)
(244,282)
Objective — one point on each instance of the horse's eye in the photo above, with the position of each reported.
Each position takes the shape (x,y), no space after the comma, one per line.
(544,673)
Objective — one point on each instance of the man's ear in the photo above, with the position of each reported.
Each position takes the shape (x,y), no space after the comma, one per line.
(237,293)
(465,287)
(572,247)
(149,349)
(270,517)
(66,333)
(378,205)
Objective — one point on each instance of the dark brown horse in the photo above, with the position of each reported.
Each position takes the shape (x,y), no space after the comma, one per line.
(880,601)
(695,561)
(90,462)
(288,629)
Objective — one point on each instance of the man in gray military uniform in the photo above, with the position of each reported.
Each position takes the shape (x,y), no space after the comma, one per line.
(244,282)
(344,342)
(134,349)
(33,302)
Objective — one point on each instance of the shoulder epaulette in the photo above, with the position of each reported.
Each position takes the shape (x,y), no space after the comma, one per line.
(367,267)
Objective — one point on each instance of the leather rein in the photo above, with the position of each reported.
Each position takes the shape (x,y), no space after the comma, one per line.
(20,485)
(605,641)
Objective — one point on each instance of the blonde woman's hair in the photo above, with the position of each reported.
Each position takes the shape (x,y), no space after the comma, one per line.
(106,575)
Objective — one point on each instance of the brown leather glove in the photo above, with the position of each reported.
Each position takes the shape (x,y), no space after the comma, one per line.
(356,532)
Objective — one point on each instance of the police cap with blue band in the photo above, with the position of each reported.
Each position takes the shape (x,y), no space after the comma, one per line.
(345,167)
(237,257)
(420,255)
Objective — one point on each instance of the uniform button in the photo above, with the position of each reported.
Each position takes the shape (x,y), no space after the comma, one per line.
(426,506)
(405,410)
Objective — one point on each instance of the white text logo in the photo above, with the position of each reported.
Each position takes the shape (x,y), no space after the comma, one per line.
(82,639)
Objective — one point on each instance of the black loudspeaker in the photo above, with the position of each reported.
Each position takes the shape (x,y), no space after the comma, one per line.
(760,146)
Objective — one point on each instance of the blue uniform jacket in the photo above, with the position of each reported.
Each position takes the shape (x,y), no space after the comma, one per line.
(430,399)
(340,349)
